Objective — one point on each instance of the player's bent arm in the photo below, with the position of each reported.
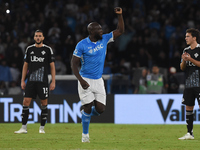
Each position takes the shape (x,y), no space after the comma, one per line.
(120,27)
(196,62)
(183,65)
(75,61)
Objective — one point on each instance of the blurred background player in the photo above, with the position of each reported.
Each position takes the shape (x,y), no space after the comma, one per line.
(37,59)
(92,52)
(156,82)
(190,63)
(173,81)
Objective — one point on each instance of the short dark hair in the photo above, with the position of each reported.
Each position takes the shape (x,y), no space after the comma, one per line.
(194,33)
(39,31)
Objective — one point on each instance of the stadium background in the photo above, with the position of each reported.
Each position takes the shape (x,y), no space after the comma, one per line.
(154,34)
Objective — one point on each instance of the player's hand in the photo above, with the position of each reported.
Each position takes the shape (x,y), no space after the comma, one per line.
(23,85)
(186,56)
(84,84)
(118,10)
(52,86)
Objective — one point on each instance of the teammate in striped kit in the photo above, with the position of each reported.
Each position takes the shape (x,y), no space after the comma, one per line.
(91,51)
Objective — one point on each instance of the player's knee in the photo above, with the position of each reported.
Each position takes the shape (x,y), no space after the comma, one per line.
(44,102)
(87,108)
(26,101)
(100,110)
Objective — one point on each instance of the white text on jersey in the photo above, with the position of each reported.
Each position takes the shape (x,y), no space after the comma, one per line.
(36,59)
(98,47)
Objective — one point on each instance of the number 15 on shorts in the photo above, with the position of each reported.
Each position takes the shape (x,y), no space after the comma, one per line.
(45,89)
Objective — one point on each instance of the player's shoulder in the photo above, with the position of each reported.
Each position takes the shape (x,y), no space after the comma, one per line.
(187,48)
(30,47)
(198,46)
(48,48)
(82,42)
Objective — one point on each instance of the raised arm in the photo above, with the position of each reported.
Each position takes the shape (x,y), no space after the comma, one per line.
(120,26)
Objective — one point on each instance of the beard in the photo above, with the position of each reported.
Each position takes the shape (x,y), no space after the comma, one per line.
(97,37)
(38,42)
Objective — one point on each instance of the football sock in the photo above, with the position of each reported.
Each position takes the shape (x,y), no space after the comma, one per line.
(44,115)
(24,115)
(24,127)
(189,120)
(85,122)
(94,112)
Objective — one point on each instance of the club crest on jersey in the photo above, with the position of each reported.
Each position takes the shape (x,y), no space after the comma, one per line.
(90,51)
(32,52)
(43,52)
(196,55)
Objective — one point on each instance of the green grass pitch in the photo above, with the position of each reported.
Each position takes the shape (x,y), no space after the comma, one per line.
(102,137)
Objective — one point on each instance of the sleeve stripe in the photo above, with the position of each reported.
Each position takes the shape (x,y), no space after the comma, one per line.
(111,39)
(77,56)
(28,48)
(49,48)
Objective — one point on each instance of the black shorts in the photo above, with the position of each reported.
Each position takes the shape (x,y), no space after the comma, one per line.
(189,96)
(37,88)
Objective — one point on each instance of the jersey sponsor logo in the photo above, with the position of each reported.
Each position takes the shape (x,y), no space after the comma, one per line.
(196,55)
(191,64)
(37,59)
(43,52)
(32,52)
(97,48)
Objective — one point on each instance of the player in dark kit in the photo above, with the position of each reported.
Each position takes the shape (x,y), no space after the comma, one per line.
(190,63)
(37,59)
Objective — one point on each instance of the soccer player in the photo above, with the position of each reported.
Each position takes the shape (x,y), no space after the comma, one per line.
(38,57)
(190,63)
(92,51)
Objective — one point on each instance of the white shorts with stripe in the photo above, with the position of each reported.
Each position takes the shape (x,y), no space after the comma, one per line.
(96,91)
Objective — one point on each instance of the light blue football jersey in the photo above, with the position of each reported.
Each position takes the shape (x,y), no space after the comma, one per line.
(92,56)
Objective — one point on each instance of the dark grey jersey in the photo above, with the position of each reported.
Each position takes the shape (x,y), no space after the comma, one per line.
(192,71)
(38,59)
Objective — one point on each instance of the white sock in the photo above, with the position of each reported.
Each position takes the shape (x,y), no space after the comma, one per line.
(24,126)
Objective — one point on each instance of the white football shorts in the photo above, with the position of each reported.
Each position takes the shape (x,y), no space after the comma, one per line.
(96,91)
